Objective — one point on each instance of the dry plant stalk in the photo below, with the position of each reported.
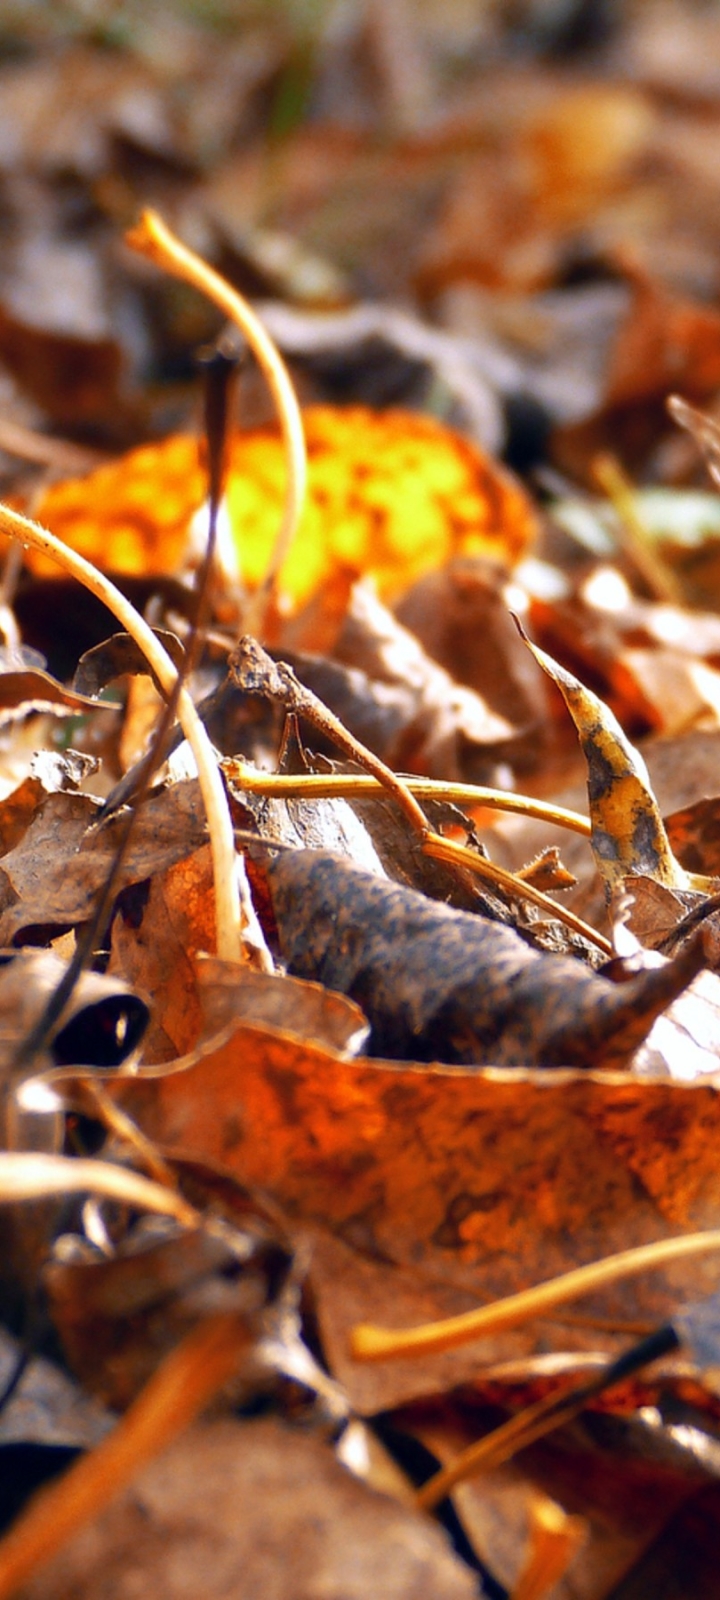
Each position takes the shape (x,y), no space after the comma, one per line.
(222,842)
(357,786)
(372,1343)
(153,239)
(29,1175)
(554,1538)
(188,1379)
(632,535)
(459,854)
(255,672)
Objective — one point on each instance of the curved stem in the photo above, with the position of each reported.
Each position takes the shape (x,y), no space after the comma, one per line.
(222,843)
(371,1343)
(152,238)
(443,849)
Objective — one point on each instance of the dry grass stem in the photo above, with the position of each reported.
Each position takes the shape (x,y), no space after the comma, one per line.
(227,909)
(461,855)
(32,1176)
(555,1536)
(372,1343)
(152,238)
(349,786)
(632,535)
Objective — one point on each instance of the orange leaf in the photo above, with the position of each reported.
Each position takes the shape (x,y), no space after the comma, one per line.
(390,493)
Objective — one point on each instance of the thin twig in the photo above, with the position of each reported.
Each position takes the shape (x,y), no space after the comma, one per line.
(461,855)
(542,1417)
(255,672)
(632,535)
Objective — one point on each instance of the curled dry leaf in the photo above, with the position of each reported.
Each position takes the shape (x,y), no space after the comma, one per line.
(118,655)
(101,1024)
(440,984)
(446,727)
(34,689)
(461,618)
(628,833)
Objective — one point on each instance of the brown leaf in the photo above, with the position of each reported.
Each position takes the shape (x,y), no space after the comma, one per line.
(307,1011)
(448,611)
(441,984)
(52,875)
(694,833)
(448,728)
(34,689)
(427,1190)
(118,1316)
(666,342)
(154,943)
(72,377)
(249,1508)
(120,654)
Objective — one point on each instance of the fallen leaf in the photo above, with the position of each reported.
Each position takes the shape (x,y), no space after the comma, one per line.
(440,984)
(51,876)
(628,833)
(426,1190)
(390,493)
(306,1524)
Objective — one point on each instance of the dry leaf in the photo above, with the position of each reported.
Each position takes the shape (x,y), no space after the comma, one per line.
(628,833)
(427,1190)
(439,984)
(306,1526)
(390,493)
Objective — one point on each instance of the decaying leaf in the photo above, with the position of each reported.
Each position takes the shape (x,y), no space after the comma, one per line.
(307,1525)
(51,876)
(118,655)
(628,833)
(33,689)
(446,726)
(118,1316)
(100,1025)
(440,984)
(428,1189)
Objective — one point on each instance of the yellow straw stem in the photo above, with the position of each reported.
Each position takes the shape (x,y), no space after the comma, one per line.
(222,843)
(153,239)
(441,849)
(371,1343)
(357,786)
